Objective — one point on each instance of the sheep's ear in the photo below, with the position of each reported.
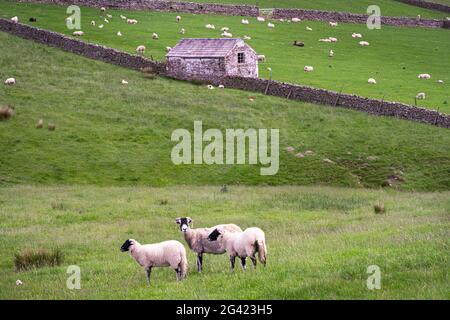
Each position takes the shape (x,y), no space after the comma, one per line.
(221,230)
(189,220)
(178,220)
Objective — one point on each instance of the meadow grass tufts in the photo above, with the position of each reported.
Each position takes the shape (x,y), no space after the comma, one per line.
(37,258)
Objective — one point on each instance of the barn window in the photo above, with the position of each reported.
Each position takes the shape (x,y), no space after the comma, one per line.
(241,57)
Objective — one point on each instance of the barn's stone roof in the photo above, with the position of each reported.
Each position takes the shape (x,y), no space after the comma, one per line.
(203,47)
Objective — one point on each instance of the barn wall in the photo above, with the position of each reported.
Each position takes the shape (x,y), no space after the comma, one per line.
(247,69)
(187,68)
(274,88)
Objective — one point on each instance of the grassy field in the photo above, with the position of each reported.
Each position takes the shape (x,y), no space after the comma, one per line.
(388,7)
(105,175)
(320,242)
(110,134)
(395,57)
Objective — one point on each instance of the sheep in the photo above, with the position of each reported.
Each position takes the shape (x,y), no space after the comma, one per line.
(270,25)
(119,34)
(109,16)
(106,20)
(295,20)
(100,26)
(182,31)
(420,96)
(210,87)
(78,33)
(15,19)
(309,29)
(333,39)
(10,81)
(178,18)
(261,19)
(325,40)
(227,34)
(19,282)
(51,127)
(261,58)
(168,49)
(210,26)
(424,76)
(371,81)
(197,239)
(298,43)
(163,254)
(102,9)
(244,21)
(364,43)
(155,36)
(242,244)
(225,29)
(308,69)
(221,86)
(356,35)
(331,54)
(32,19)
(132,21)
(93,23)
(124,81)
(123,17)
(6,113)
(40,124)
(333,24)
(247,38)
(140,49)
(440,81)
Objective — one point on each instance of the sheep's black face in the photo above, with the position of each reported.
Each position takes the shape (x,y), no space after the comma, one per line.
(184,223)
(126,245)
(214,235)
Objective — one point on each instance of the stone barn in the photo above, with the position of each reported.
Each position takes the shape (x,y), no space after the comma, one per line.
(197,58)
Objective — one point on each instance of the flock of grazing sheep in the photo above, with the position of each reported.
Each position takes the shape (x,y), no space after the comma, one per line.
(219,239)
(226,33)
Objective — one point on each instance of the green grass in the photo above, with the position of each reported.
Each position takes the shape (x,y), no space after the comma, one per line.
(110,134)
(388,7)
(395,57)
(320,242)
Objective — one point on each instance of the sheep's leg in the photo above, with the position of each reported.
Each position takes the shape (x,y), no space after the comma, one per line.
(199,262)
(232,260)
(243,263)
(178,272)
(253,258)
(149,271)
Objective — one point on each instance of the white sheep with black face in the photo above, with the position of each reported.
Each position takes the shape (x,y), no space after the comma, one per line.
(242,244)
(164,254)
(197,239)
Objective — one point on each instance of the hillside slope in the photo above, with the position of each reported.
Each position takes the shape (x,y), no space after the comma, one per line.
(394,58)
(388,7)
(111,134)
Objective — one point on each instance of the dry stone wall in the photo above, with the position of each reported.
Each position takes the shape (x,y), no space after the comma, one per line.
(162,5)
(353,18)
(274,88)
